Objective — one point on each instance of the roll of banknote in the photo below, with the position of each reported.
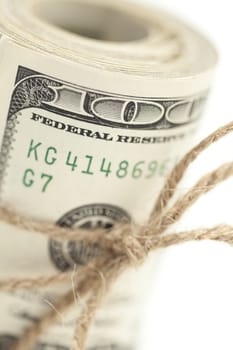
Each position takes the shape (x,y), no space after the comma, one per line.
(99,100)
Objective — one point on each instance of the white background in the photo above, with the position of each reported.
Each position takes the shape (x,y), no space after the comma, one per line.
(191,306)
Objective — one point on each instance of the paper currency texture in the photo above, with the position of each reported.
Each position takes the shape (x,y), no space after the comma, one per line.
(98,101)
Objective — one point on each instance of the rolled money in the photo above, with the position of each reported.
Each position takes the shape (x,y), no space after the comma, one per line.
(99,100)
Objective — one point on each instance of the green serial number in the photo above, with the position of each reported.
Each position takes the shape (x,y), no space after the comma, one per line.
(90,165)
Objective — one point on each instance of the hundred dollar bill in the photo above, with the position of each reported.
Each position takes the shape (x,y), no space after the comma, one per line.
(63,156)
(88,142)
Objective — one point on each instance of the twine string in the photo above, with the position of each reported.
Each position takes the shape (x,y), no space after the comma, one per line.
(127,246)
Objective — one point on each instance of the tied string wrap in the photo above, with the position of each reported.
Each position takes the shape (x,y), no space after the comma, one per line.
(127,245)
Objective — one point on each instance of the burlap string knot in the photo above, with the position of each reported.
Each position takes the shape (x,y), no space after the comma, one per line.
(127,245)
